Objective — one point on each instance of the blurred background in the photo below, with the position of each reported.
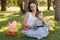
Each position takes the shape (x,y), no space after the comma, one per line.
(15,10)
(20,5)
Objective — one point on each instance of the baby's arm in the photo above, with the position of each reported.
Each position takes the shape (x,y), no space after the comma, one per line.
(44,24)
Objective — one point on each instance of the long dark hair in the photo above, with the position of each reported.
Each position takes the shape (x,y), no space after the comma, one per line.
(36,8)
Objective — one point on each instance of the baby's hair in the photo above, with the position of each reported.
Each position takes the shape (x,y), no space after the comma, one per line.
(37,14)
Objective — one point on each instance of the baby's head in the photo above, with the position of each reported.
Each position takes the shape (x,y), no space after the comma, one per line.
(38,15)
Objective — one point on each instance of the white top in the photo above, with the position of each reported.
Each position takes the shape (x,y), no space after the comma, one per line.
(31,19)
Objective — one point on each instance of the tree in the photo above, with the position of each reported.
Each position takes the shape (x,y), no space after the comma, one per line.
(54,5)
(48,4)
(57,9)
(3,5)
(20,4)
(25,6)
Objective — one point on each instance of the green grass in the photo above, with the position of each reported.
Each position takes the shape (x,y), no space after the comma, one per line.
(4,21)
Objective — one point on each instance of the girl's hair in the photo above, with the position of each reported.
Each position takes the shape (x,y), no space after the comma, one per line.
(37,13)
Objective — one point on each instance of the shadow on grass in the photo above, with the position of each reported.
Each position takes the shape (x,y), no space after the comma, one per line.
(49,12)
(5,23)
(20,35)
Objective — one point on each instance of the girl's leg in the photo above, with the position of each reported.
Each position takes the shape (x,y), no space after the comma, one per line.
(39,33)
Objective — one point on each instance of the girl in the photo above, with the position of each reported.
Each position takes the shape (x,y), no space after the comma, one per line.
(29,21)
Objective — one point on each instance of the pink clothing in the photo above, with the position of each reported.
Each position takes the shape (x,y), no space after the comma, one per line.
(26,28)
(12,26)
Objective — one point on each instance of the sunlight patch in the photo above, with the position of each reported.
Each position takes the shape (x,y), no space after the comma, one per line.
(57,27)
(52,21)
(18,26)
(4,29)
(49,17)
(3,19)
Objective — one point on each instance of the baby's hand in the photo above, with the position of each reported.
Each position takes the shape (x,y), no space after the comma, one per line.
(32,26)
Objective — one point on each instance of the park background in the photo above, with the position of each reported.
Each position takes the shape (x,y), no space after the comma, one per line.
(15,10)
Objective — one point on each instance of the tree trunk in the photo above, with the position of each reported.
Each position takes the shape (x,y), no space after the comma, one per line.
(54,5)
(3,5)
(20,4)
(57,9)
(48,4)
(25,6)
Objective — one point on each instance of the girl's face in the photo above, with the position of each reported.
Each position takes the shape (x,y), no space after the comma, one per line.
(33,7)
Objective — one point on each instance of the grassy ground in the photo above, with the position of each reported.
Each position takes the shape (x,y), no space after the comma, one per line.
(6,18)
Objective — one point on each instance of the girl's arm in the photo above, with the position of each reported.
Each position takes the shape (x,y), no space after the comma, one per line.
(32,26)
(25,19)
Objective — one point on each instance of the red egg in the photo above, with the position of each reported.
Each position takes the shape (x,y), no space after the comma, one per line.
(51,31)
(11,34)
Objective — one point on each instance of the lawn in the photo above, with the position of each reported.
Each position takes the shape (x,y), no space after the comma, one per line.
(7,17)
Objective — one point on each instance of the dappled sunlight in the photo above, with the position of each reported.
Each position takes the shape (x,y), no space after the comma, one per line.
(3,19)
(22,17)
(4,29)
(21,32)
(13,8)
(57,27)
(43,8)
(49,17)
(57,23)
(19,28)
(7,14)
(10,14)
(19,25)
(52,21)
(16,15)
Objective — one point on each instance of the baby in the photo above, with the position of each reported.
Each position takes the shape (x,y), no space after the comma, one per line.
(39,22)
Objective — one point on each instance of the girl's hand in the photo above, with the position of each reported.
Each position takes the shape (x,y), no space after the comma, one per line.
(32,26)
(27,25)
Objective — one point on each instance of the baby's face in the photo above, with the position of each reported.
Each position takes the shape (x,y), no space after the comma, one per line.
(39,16)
